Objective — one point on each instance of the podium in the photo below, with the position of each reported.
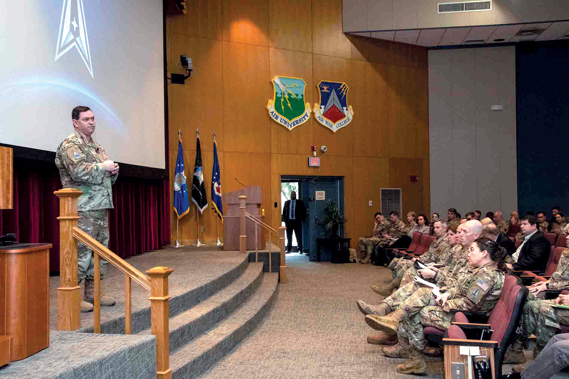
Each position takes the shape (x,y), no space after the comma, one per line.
(232,218)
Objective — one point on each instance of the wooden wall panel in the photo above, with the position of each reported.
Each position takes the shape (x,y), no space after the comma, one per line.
(290,25)
(203,19)
(246,89)
(412,197)
(294,64)
(338,70)
(370,174)
(370,99)
(328,38)
(246,21)
(370,50)
(199,102)
(6,178)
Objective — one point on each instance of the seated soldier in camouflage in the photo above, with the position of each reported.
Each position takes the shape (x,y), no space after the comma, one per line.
(500,222)
(559,280)
(399,266)
(367,244)
(478,290)
(543,225)
(444,277)
(395,230)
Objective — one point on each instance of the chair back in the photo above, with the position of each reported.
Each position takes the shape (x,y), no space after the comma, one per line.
(551,237)
(415,242)
(506,316)
(513,230)
(426,241)
(429,241)
(554,260)
(561,240)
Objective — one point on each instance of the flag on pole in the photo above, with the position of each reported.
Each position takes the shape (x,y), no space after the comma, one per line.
(216,201)
(199,196)
(181,202)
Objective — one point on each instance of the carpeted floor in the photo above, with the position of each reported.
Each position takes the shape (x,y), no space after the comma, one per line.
(315,329)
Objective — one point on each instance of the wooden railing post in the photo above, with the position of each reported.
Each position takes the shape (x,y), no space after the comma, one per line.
(282,230)
(160,313)
(243,234)
(68,292)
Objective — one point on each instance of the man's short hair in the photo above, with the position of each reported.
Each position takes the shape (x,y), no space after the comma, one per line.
(560,214)
(556,207)
(540,213)
(394,213)
(444,224)
(469,214)
(491,230)
(477,211)
(78,110)
(531,219)
(377,213)
(453,210)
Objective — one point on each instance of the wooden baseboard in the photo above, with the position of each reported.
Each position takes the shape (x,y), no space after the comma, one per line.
(4,350)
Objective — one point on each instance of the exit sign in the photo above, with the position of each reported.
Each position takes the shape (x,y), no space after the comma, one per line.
(313,162)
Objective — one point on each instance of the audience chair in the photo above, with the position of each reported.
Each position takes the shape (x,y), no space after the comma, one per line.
(501,328)
(513,230)
(417,238)
(551,237)
(561,240)
(530,276)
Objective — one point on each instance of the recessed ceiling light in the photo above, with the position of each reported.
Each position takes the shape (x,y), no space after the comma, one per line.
(499,40)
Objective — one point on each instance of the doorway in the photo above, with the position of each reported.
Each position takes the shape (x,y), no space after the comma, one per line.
(315,192)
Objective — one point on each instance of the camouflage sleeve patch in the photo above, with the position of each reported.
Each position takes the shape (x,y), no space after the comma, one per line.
(75,155)
(478,291)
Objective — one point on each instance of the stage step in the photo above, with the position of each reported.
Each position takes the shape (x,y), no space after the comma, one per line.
(199,319)
(201,354)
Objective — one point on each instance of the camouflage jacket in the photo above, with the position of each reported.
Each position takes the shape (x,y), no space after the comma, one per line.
(447,276)
(81,167)
(543,227)
(503,226)
(379,228)
(397,229)
(437,252)
(479,289)
(453,224)
(560,278)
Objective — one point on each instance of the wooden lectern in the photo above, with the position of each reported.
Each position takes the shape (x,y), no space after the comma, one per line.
(231,219)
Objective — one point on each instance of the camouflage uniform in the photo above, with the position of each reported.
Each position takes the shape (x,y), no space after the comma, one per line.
(453,224)
(543,227)
(395,231)
(503,226)
(478,291)
(437,253)
(367,244)
(81,167)
(543,320)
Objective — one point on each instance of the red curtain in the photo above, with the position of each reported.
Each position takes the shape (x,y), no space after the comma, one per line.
(139,223)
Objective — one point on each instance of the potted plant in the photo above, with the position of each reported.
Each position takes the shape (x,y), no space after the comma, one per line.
(332,219)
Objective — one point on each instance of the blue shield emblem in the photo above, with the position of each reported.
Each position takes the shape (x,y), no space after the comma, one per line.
(333,110)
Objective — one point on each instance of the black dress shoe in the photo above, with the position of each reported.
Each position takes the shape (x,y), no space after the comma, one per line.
(515,375)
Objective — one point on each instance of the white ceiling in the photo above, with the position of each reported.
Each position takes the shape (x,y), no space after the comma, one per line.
(473,35)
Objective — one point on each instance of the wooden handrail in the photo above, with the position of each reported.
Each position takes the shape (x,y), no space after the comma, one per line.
(112,258)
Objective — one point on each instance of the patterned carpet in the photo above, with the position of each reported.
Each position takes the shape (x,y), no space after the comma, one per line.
(315,329)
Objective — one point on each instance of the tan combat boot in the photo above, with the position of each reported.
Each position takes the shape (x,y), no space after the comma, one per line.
(515,353)
(521,367)
(106,301)
(83,305)
(382,338)
(388,324)
(366,257)
(388,289)
(414,365)
(401,350)
(368,309)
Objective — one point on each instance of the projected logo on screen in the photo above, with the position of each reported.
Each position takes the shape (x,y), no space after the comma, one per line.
(73,32)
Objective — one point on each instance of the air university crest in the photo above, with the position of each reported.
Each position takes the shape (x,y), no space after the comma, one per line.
(333,110)
(288,107)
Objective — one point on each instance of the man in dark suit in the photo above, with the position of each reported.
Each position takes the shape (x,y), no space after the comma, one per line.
(533,253)
(294,213)
(492,232)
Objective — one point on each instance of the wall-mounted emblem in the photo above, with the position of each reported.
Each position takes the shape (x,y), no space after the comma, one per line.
(333,110)
(288,107)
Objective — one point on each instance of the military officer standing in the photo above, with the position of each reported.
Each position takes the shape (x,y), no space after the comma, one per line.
(83,165)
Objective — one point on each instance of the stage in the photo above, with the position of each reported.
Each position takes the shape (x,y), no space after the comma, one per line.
(217,298)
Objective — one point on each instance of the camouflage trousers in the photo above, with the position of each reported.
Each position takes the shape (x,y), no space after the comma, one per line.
(402,294)
(398,267)
(409,275)
(543,320)
(421,311)
(96,224)
(367,244)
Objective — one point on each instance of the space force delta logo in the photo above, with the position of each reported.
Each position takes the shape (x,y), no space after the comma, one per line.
(73,33)
(333,110)
(288,107)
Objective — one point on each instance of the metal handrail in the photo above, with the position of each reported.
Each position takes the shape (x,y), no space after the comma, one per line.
(257,221)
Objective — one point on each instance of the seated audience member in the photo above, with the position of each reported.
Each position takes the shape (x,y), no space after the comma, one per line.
(486,221)
(479,289)
(513,224)
(463,220)
(434,219)
(477,215)
(543,225)
(399,266)
(490,215)
(470,216)
(405,240)
(422,226)
(553,358)
(556,209)
(395,230)
(492,232)
(559,226)
(500,222)
(453,219)
(514,218)
(533,252)
(367,244)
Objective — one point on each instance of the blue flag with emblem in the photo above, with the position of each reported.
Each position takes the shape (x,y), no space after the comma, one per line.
(199,196)
(216,200)
(181,202)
